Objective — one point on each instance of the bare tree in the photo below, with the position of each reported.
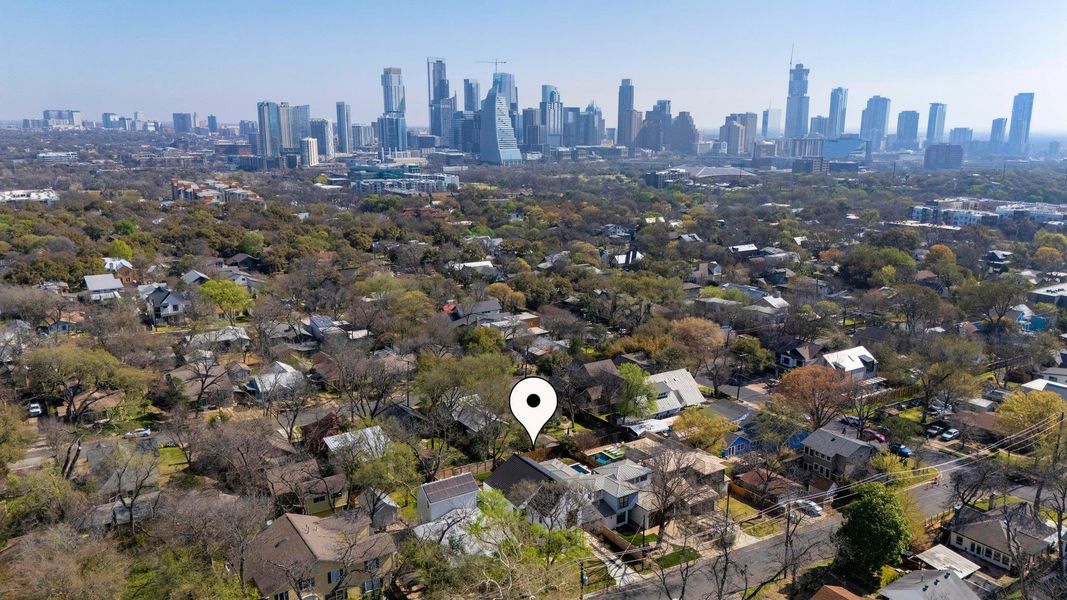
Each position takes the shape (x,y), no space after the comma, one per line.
(287,403)
(669,485)
(186,430)
(132,472)
(65,442)
(366,384)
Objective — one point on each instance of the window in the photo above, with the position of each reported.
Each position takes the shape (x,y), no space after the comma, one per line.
(334,576)
(337,595)
(317,499)
(988,553)
(372,584)
(371,564)
(959,540)
(305,584)
(281,596)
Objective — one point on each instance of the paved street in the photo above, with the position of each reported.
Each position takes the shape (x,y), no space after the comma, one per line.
(760,558)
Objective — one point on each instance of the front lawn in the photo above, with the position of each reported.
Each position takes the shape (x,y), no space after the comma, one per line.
(680,555)
(171,461)
(640,539)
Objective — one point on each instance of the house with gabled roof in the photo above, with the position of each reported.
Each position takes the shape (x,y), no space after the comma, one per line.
(438,498)
(835,455)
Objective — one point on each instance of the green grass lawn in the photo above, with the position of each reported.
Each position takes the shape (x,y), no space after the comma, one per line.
(639,539)
(912,414)
(171,461)
(983,504)
(739,510)
(680,555)
(408,506)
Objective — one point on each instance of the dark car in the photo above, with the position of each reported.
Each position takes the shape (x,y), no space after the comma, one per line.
(900,450)
(915,402)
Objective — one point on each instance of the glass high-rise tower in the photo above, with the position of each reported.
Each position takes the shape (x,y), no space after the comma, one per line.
(498,144)
(908,130)
(796,104)
(935,124)
(392,125)
(1022,109)
(270,130)
(344,127)
(625,132)
(874,121)
(835,122)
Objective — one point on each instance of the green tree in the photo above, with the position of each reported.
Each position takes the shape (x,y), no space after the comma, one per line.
(703,429)
(14,435)
(120,249)
(482,340)
(874,533)
(231,297)
(638,395)
(251,243)
(80,377)
(992,298)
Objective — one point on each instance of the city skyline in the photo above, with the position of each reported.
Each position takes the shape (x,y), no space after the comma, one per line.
(915,73)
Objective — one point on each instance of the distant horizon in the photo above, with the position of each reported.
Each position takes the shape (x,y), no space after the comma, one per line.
(223,58)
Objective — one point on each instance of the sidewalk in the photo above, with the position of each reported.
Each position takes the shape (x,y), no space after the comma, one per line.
(622,574)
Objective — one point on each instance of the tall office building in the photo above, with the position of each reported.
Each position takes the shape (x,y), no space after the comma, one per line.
(908,130)
(533,130)
(998,132)
(498,145)
(796,105)
(591,126)
(961,136)
(732,133)
(299,123)
(322,131)
(835,123)
(625,133)
(212,124)
(344,127)
(393,91)
(772,124)
(684,134)
(751,123)
(571,116)
(874,121)
(442,105)
(472,95)
(183,122)
(309,152)
(819,125)
(935,124)
(550,117)
(392,125)
(109,120)
(505,84)
(656,128)
(270,130)
(1022,109)
(285,123)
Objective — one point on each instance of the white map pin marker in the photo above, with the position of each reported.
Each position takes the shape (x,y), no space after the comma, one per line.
(533,402)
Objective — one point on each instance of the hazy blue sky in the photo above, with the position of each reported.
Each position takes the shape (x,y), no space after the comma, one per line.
(709,58)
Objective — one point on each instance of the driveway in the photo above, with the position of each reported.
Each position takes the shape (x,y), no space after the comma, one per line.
(37,454)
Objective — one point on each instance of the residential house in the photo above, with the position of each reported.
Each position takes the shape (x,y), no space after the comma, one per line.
(194,277)
(627,259)
(928,585)
(467,412)
(742,251)
(941,558)
(226,339)
(69,322)
(610,494)
(984,533)
(207,381)
(438,498)
(164,304)
(244,262)
(101,288)
(858,362)
(278,378)
(370,441)
(765,487)
(705,272)
(333,558)
(798,353)
(732,411)
(675,390)
(737,443)
(121,268)
(1044,385)
(835,455)
(834,592)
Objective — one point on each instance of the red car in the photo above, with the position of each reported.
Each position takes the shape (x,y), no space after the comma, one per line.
(870,434)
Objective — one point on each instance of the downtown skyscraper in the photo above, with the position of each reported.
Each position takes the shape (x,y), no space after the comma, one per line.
(270,130)
(498,143)
(550,116)
(392,125)
(935,124)
(344,127)
(835,124)
(874,121)
(472,97)
(442,104)
(629,119)
(1022,108)
(796,104)
(998,133)
(908,130)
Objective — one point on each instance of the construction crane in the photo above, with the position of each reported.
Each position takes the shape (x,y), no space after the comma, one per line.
(496,62)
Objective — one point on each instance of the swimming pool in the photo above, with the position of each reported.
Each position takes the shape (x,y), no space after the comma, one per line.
(603,458)
(580,469)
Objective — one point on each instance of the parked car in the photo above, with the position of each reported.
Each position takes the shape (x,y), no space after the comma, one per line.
(143,432)
(850,420)
(900,450)
(808,507)
(870,434)
(35,409)
(934,430)
(950,434)
(1021,478)
(915,402)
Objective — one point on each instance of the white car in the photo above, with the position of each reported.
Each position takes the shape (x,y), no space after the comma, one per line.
(808,507)
(143,432)
(35,409)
